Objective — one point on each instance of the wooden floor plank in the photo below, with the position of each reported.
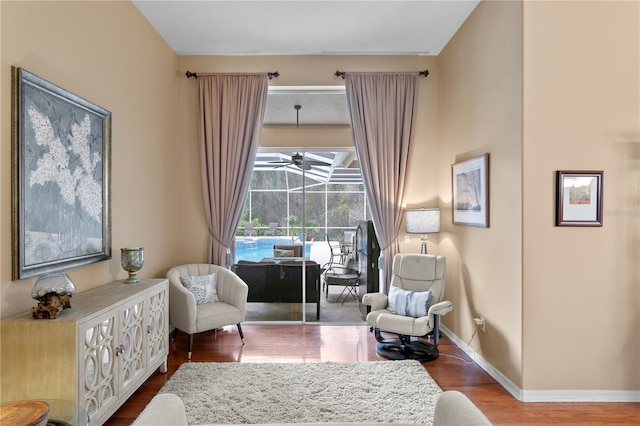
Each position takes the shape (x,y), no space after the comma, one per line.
(320,343)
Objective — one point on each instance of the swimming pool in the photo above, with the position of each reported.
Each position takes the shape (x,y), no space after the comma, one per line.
(256,248)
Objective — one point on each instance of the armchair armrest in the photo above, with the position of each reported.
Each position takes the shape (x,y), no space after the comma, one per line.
(182,309)
(375,300)
(164,409)
(232,290)
(440,308)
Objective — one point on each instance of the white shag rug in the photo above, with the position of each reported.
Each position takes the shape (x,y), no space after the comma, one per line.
(374,391)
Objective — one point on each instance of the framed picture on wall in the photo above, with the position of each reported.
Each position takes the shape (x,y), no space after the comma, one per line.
(579,198)
(470,192)
(61,146)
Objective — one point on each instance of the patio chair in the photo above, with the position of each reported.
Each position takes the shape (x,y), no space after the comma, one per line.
(273,226)
(248,230)
(345,277)
(336,256)
(347,245)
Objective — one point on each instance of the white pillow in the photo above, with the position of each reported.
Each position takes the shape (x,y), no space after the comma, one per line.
(203,287)
(409,303)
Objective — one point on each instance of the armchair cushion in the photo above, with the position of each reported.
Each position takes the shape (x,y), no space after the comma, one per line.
(287,250)
(409,303)
(283,253)
(377,301)
(203,287)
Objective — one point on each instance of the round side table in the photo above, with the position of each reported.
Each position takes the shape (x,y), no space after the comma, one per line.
(24,413)
(43,412)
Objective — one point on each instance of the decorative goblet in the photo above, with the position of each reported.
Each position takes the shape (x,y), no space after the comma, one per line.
(132,260)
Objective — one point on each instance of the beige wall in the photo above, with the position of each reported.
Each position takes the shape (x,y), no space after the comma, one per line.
(107,53)
(297,71)
(480,106)
(546,86)
(581,298)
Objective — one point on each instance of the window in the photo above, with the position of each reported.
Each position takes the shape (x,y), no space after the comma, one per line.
(334,196)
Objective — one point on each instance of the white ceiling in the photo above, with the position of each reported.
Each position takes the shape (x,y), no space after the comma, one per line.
(306,27)
(321,106)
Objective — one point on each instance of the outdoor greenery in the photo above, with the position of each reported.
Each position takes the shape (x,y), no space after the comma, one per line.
(277,196)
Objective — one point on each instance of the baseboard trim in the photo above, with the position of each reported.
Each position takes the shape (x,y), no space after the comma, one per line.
(581,396)
(503,380)
(542,395)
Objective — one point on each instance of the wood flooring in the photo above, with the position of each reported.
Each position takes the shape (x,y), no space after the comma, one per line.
(316,343)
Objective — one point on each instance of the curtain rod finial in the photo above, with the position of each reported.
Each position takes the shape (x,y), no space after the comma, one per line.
(271,75)
(190,74)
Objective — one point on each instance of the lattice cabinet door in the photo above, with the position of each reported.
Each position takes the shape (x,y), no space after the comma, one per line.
(111,340)
(158,323)
(98,387)
(131,352)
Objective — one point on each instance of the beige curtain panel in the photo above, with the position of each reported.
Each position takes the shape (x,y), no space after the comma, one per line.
(231,111)
(382,109)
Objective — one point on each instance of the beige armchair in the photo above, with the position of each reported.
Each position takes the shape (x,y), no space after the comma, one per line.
(408,310)
(191,318)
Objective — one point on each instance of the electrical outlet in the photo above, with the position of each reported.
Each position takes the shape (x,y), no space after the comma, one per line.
(480,322)
(407,239)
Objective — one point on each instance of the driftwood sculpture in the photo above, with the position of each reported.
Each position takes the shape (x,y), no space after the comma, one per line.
(50,305)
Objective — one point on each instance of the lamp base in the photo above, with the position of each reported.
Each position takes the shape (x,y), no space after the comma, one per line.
(423,249)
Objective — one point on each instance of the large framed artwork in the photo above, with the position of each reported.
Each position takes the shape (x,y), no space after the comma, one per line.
(61,148)
(579,198)
(470,192)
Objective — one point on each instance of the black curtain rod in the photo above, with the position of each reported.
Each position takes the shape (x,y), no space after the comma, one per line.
(343,74)
(271,75)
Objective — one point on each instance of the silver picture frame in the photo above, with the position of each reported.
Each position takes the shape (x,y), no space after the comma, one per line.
(470,192)
(60,178)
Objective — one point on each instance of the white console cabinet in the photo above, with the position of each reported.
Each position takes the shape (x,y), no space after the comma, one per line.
(95,354)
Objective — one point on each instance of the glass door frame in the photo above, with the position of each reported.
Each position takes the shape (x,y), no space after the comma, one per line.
(292,188)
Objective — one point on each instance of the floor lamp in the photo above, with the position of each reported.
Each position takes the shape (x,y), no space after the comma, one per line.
(423,221)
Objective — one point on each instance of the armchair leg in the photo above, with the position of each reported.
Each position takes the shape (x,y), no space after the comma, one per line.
(240,332)
(190,347)
(173,338)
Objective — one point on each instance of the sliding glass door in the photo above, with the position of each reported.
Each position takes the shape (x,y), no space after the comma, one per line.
(296,200)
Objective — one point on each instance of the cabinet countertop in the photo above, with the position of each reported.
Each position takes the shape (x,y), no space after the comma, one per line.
(89,303)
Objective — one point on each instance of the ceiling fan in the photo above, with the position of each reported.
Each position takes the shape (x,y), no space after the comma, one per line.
(297,159)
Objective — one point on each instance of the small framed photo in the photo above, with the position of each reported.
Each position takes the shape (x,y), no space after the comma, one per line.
(579,198)
(470,192)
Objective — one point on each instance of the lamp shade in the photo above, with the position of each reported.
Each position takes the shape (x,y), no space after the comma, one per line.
(423,221)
